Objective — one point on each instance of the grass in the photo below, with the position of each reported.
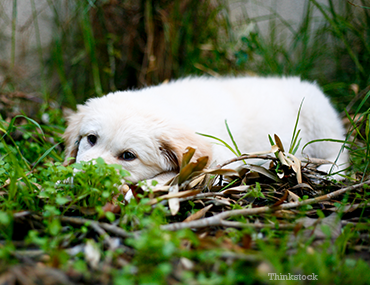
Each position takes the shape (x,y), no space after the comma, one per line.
(62,228)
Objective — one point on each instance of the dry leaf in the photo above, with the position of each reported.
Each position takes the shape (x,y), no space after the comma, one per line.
(282,158)
(223,171)
(355,88)
(293,197)
(296,166)
(303,185)
(273,149)
(281,200)
(194,182)
(181,194)
(316,161)
(262,170)
(174,203)
(332,221)
(192,167)
(237,189)
(92,253)
(278,142)
(187,156)
(187,263)
(198,215)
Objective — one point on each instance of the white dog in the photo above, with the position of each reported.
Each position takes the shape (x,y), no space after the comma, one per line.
(147,130)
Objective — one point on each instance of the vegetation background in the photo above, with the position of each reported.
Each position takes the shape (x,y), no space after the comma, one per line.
(102,46)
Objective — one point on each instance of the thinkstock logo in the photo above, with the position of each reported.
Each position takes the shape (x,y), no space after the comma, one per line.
(275,276)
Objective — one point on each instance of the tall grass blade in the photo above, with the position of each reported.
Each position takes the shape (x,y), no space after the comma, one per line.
(220,140)
(295,132)
(232,139)
(327,140)
(11,124)
(44,155)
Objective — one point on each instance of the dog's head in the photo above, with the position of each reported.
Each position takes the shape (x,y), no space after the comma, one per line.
(122,133)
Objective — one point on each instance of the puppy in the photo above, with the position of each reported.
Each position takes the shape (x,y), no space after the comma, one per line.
(147,130)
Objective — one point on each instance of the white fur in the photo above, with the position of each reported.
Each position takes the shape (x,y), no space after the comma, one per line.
(158,123)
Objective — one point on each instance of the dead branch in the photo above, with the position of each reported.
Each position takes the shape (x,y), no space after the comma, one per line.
(216,220)
(108,227)
(233,224)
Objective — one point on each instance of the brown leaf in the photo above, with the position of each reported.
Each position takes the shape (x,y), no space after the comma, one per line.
(332,221)
(302,185)
(187,156)
(296,166)
(87,210)
(247,241)
(110,207)
(196,181)
(316,161)
(198,215)
(278,142)
(263,171)
(283,159)
(225,172)
(274,148)
(192,167)
(219,202)
(281,200)
(292,197)
(237,189)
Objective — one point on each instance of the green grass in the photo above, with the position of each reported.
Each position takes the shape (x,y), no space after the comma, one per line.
(48,218)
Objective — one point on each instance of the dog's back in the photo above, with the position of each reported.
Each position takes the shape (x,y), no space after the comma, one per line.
(167,117)
(253,107)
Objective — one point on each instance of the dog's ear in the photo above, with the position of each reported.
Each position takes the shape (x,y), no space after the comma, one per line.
(174,144)
(71,136)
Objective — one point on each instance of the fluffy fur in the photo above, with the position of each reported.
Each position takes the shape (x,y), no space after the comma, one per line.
(156,124)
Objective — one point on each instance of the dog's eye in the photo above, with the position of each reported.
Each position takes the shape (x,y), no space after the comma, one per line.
(128,156)
(92,139)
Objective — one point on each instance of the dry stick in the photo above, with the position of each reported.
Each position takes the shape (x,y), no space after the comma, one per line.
(217,220)
(268,157)
(198,196)
(233,224)
(103,234)
(108,227)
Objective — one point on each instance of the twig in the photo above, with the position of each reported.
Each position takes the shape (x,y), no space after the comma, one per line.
(217,220)
(108,227)
(233,224)
(103,233)
(251,156)
(198,196)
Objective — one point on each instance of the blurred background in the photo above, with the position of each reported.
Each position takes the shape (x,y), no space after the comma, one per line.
(62,52)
